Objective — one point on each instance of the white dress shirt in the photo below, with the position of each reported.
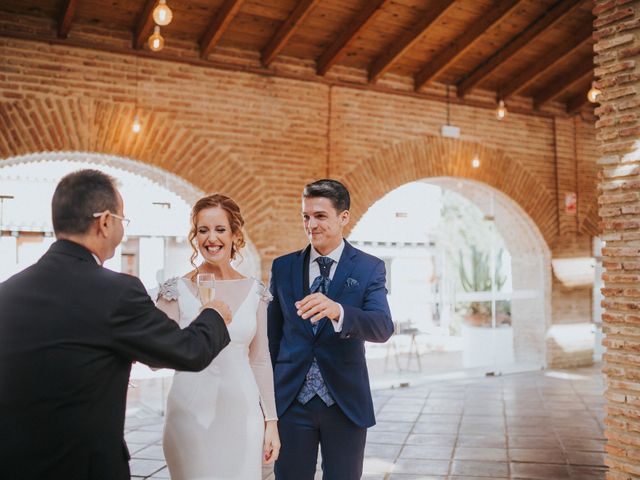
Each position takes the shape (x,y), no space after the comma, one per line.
(314,271)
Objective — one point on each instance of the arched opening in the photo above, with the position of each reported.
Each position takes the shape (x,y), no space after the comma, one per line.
(469,278)
(157,202)
(155,245)
(164,145)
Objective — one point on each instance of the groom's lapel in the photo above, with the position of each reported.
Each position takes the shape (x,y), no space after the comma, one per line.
(299,282)
(345,266)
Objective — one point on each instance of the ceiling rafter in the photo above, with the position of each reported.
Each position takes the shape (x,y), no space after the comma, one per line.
(339,47)
(286,31)
(66,17)
(446,57)
(577,103)
(169,56)
(221,21)
(545,63)
(557,87)
(400,46)
(144,24)
(555,14)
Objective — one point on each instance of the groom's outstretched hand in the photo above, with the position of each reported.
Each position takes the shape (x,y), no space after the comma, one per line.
(317,306)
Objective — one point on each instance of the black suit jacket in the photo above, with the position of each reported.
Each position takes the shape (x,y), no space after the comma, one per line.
(69,331)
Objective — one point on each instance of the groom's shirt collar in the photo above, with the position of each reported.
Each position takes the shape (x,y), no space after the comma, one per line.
(333,255)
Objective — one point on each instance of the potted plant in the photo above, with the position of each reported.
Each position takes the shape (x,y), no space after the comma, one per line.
(478,279)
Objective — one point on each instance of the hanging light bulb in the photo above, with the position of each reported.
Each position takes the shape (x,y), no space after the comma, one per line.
(475,163)
(136,127)
(593,93)
(162,14)
(501,110)
(156,41)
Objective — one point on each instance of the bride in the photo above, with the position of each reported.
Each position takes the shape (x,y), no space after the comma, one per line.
(221,422)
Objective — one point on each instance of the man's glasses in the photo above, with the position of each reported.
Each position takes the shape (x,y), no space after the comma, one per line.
(125,221)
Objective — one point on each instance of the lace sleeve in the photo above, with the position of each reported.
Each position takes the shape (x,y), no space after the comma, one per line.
(169,289)
(261,360)
(167,299)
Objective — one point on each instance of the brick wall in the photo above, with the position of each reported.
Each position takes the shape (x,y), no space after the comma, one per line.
(261,138)
(617,48)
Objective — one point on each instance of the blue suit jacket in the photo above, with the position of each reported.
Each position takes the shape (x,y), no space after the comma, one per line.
(358,285)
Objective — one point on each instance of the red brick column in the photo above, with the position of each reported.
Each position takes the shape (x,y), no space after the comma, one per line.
(617,33)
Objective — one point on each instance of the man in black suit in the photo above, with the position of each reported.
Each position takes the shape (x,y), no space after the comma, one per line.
(69,331)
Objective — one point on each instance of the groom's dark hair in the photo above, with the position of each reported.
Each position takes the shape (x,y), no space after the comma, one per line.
(78,196)
(331,189)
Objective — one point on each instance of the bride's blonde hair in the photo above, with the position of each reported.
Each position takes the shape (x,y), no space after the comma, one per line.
(233,215)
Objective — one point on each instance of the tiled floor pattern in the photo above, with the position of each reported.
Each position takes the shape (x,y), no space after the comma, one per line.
(538,425)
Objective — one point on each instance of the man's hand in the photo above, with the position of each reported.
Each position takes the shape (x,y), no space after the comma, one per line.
(317,306)
(220,307)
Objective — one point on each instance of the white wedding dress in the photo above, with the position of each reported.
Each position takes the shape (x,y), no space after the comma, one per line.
(214,425)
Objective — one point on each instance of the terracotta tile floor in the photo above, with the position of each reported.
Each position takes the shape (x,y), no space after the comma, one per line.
(537,425)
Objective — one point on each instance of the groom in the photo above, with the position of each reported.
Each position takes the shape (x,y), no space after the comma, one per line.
(327,300)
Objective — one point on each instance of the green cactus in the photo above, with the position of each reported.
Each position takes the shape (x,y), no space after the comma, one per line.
(479,278)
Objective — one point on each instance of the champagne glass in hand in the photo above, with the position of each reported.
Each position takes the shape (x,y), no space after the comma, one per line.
(206,287)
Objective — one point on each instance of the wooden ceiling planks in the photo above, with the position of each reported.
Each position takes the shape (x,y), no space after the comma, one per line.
(577,102)
(463,43)
(513,47)
(66,17)
(45,8)
(459,17)
(584,70)
(546,62)
(559,11)
(340,45)
(144,24)
(401,45)
(502,33)
(321,27)
(286,30)
(98,12)
(221,21)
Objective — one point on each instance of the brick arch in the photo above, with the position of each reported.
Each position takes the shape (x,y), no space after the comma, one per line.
(589,223)
(444,157)
(83,125)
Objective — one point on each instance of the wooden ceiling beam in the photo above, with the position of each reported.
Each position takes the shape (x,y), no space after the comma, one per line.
(577,103)
(529,75)
(400,46)
(144,24)
(338,48)
(458,47)
(556,88)
(286,31)
(555,14)
(307,78)
(66,17)
(221,21)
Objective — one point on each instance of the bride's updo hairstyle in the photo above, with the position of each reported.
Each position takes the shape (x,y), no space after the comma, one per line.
(233,215)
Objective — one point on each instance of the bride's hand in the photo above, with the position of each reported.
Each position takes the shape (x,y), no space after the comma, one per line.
(220,307)
(271,442)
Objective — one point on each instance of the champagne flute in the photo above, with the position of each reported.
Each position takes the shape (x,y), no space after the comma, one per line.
(206,286)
